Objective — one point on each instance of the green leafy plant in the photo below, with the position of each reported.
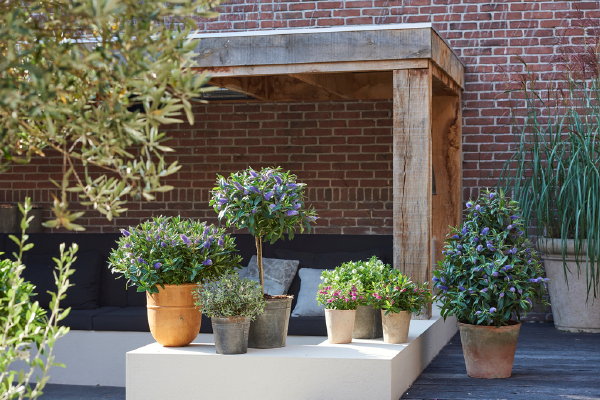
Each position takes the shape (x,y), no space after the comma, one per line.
(28,333)
(95,82)
(365,274)
(490,273)
(173,251)
(269,203)
(340,289)
(554,172)
(395,292)
(231,296)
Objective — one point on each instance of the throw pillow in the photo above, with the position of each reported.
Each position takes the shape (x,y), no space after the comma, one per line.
(307,305)
(278,274)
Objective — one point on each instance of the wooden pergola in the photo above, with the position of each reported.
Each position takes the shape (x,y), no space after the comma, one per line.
(409,64)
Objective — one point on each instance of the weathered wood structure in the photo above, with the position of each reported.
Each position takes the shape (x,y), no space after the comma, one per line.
(408,63)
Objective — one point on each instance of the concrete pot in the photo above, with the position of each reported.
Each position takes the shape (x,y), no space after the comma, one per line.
(269,330)
(395,326)
(340,324)
(572,310)
(489,351)
(231,334)
(367,324)
(172,315)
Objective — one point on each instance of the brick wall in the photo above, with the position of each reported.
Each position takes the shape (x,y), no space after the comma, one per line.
(342,150)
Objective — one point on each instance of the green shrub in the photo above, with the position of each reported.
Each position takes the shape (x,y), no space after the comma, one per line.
(231,296)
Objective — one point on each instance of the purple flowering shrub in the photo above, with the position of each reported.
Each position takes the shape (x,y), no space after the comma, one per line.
(395,292)
(173,251)
(269,203)
(490,273)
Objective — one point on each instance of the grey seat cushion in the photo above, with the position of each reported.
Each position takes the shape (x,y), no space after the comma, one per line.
(306,305)
(278,274)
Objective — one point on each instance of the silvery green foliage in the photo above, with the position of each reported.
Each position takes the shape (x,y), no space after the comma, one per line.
(231,296)
(95,81)
(28,332)
(173,251)
(490,273)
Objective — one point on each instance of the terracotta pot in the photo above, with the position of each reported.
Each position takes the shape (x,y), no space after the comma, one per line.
(489,351)
(173,318)
(340,324)
(269,330)
(572,309)
(395,326)
(367,324)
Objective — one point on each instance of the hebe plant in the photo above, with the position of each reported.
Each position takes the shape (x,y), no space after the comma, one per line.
(269,203)
(395,292)
(490,273)
(340,289)
(173,251)
(231,296)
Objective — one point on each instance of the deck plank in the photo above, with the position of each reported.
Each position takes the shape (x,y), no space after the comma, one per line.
(549,364)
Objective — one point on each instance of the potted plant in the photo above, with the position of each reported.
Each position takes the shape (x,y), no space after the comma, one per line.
(397,297)
(340,296)
(557,181)
(231,303)
(489,276)
(270,204)
(167,257)
(368,315)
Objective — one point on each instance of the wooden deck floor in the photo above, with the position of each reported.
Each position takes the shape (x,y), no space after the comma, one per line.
(549,364)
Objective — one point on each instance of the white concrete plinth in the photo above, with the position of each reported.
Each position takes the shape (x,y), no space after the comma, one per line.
(307,368)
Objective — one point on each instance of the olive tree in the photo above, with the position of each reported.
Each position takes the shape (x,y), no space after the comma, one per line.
(94,81)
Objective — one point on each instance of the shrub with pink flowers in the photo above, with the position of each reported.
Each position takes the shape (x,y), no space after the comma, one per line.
(339,290)
(395,292)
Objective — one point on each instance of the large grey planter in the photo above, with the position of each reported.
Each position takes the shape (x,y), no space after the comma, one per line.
(269,330)
(231,334)
(572,309)
(367,324)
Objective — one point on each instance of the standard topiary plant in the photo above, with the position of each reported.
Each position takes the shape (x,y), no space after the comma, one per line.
(490,274)
(269,203)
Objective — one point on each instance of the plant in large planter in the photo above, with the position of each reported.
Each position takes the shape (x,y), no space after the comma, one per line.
(231,302)
(167,257)
(398,297)
(489,276)
(340,295)
(557,183)
(270,204)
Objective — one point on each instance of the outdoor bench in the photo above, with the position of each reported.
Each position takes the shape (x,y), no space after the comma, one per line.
(100,302)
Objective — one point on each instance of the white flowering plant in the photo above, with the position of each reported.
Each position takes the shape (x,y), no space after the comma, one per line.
(490,273)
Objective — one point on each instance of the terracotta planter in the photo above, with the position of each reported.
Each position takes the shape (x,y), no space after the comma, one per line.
(489,351)
(572,309)
(340,324)
(367,324)
(269,329)
(173,318)
(395,326)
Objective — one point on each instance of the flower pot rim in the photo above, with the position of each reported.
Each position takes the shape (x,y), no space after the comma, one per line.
(511,324)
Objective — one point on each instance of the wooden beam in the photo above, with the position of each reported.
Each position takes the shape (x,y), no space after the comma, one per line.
(412,173)
(447,163)
(352,86)
(275,88)
(447,60)
(326,67)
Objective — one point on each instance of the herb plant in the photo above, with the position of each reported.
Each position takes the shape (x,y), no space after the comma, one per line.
(173,251)
(231,296)
(395,292)
(490,273)
(269,203)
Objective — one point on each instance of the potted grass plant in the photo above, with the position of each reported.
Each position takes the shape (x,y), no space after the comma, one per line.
(231,303)
(397,297)
(340,294)
(488,278)
(554,174)
(271,205)
(166,257)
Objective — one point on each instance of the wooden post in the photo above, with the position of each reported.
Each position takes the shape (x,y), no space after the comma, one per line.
(412,164)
